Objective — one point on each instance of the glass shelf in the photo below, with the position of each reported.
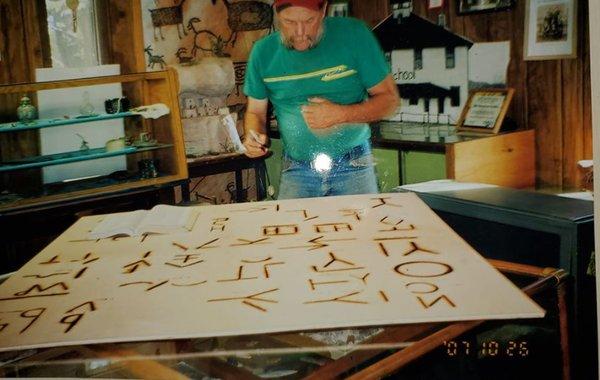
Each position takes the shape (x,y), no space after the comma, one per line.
(68,157)
(47,123)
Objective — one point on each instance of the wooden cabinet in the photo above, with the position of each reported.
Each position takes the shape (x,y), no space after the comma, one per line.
(506,159)
(21,183)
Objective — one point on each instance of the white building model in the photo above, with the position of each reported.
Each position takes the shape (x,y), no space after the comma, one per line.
(430,65)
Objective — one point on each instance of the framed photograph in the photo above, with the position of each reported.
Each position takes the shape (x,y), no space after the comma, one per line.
(338,9)
(435,4)
(477,6)
(550,29)
(485,110)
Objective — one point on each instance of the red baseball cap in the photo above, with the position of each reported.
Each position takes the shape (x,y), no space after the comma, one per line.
(310,4)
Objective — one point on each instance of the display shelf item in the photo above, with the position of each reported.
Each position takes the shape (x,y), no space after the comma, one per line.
(47,123)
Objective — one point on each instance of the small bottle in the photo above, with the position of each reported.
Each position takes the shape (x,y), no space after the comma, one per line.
(86,108)
(26,111)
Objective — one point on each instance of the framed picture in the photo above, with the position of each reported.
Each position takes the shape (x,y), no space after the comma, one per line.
(434,4)
(477,6)
(550,29)
(485,110)
(338,9)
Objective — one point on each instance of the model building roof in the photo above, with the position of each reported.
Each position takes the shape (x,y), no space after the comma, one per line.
(415,32)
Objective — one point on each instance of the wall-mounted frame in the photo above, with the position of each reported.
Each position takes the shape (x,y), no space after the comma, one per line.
(435,4)
(485,110)
(550,30)
(464,7)
(338,9)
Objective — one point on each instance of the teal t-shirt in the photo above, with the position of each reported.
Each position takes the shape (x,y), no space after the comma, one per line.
(341,68)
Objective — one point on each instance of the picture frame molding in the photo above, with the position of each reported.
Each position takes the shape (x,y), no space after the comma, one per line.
(332,5)
(571,55)
(509,94)
(461,12)
(430,7)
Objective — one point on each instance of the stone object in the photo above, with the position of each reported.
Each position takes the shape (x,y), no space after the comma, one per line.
(211,76)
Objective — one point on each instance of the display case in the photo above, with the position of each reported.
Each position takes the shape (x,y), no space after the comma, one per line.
(146,148)
(492,349)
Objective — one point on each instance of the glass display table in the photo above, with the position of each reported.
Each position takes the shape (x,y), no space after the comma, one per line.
(473,349)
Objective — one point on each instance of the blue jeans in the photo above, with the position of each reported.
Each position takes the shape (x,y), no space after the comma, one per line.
(351,173)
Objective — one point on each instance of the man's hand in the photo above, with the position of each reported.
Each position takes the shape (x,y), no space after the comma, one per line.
(321,113)
(256,144)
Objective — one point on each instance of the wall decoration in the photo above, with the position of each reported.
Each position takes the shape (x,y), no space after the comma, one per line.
(339,9)
(488,64)
(430,66)
(246,16)
(182,56)
(206,40)
(253,268)
(435,4)
(73,5)
(550,29)
(485,110)
(166,16)
(478,6)
(240,74)
(154,59)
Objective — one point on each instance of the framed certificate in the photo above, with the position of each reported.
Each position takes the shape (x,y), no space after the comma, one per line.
(485,110)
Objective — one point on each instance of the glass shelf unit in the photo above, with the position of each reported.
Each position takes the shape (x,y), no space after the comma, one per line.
(48,123)
(69,157)
(28,165)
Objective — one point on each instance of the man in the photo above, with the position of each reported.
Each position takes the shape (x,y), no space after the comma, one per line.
(326,78)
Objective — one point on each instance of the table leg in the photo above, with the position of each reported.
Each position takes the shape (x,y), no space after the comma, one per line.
(261,180)
(185,190)
(239,186)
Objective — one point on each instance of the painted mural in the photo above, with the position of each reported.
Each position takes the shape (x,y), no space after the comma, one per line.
(208,42)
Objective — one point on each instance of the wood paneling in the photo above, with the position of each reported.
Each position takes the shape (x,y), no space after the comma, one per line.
(544,107)
(573,125)
(372,11)
(125,35)
(23,33)
(552,97)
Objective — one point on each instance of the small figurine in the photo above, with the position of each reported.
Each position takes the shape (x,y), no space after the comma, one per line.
(190,110)
(84,144)
(26,111)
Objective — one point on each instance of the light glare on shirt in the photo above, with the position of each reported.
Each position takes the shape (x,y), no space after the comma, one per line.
(322,163)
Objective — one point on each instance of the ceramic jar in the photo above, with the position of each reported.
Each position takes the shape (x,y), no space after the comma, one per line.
(26,111)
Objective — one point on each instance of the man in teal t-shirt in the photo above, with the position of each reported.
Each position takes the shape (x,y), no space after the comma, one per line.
(326,78)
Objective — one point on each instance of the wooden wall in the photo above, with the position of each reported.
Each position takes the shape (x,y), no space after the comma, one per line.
(23,35)
(552,97)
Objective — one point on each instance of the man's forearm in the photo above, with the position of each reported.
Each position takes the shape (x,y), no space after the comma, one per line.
(375,108)
(255,122)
